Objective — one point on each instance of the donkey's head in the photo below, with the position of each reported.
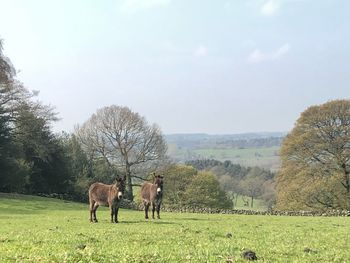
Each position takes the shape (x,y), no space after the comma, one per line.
(158,181)
(120,186)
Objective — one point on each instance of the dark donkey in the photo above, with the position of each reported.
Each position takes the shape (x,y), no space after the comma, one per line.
(106,194)
(152,194)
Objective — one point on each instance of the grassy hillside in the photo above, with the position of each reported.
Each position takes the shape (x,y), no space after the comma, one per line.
(263,157)
(255,149)
(35,229)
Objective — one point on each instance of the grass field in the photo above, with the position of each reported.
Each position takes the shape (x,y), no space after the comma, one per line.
(264,157)
(35,229)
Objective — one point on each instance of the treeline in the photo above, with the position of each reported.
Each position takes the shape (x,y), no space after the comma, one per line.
(30,155)
(34,160)
(254,182)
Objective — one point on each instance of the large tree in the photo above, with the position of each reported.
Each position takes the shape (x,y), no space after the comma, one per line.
(177,179)
(13,172)
(315,170)
(124,139)
(28,149)
(204,191)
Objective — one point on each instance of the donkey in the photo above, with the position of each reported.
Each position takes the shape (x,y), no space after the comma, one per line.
(106,194)
(152,194)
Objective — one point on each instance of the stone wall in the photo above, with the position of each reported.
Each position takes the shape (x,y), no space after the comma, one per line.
(131,205)
(186,209)
(254,212)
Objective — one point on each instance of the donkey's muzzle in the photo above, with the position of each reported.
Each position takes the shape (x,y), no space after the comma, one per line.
(120,195)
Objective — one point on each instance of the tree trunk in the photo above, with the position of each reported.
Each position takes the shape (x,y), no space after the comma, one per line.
(246,202)
(347,176)
(251,204)
(129,194)
(236,199)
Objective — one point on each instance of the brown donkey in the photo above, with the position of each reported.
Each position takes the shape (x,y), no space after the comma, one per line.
(106,194)
(152,194)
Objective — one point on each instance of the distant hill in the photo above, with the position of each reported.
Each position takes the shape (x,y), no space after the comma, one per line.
(249,149)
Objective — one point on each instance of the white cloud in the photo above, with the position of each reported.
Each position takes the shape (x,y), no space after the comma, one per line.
(270,7)
(201,51)
(133,6)
(282,50)
(258,56)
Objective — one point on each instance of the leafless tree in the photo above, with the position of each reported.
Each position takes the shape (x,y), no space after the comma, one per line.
(123,139)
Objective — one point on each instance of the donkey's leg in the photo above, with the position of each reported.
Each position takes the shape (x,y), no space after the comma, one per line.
(153,209)
(111,208)
(95,208)
(158,210)
(146,204)
(116,209)
(91,209)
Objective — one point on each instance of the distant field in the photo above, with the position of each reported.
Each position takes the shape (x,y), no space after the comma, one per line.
(264,157)
(35,229)
(249,153)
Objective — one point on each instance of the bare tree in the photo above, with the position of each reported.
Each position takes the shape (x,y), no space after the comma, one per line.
(123,139)
(252,186)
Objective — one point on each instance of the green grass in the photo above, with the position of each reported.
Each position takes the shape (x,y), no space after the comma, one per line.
(35,229)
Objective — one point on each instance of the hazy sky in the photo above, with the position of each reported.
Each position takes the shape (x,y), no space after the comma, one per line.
(190,66)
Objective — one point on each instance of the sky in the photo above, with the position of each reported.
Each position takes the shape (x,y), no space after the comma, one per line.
(191,66)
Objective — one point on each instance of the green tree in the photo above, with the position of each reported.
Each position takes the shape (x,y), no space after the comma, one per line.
(41,151)
(315,170)
(204,191)
(32,159)
(14,170)
(177,179)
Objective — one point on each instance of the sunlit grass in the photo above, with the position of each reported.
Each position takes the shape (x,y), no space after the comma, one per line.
(35,229)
